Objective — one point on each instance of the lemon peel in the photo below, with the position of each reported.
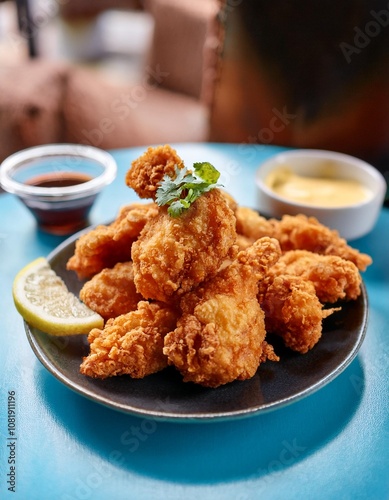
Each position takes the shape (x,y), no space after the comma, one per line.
(44,301)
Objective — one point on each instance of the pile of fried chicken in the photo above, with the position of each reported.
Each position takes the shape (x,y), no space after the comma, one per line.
(202,290)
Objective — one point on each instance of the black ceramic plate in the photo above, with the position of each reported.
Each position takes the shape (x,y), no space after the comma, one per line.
(164,395)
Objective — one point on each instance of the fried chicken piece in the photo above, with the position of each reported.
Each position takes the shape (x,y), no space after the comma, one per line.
(173,255)
(251,225)
(306,233)
(112,292)
(221,334)
(104,246)
(334,278)
(293,310)
(242,242)
(131,344)
(230,200)
(148,170)
(297,232)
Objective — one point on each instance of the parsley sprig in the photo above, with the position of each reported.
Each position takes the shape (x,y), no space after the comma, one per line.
(179,193)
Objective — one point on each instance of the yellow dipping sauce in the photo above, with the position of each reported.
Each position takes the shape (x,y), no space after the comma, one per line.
(319,191)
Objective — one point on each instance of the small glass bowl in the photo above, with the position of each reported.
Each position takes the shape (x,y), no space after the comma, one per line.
(58,183)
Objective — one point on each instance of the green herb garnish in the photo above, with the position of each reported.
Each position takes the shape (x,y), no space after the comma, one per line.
(181,192)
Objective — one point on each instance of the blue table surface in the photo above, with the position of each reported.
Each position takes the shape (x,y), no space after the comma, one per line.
(334,444)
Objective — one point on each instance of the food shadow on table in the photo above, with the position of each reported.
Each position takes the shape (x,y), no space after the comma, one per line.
(211,452)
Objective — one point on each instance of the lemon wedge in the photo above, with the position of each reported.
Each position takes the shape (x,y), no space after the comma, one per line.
(44,301)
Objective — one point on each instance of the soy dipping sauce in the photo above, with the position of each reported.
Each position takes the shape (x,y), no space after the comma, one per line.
(56,216)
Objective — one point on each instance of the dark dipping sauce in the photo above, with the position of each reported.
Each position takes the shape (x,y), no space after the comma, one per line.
(60,217)
(59,179)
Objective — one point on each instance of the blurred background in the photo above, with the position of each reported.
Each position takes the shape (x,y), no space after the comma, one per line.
(121,73)
(112,35)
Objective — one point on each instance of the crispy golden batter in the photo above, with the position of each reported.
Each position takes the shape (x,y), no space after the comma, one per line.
(212,305)
(173,255)
(130,344)
(251,225)
(306,233)
(230,200)
(298,233)
(104,246)
(292,310)
(112,292)
(148,170)
(221,335)
(334,278)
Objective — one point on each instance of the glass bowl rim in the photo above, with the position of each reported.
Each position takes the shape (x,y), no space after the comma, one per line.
(82,151)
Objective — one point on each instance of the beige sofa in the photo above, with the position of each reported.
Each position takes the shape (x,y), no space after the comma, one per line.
(45,102)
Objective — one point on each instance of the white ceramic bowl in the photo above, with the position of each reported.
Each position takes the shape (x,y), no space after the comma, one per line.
(353,220)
